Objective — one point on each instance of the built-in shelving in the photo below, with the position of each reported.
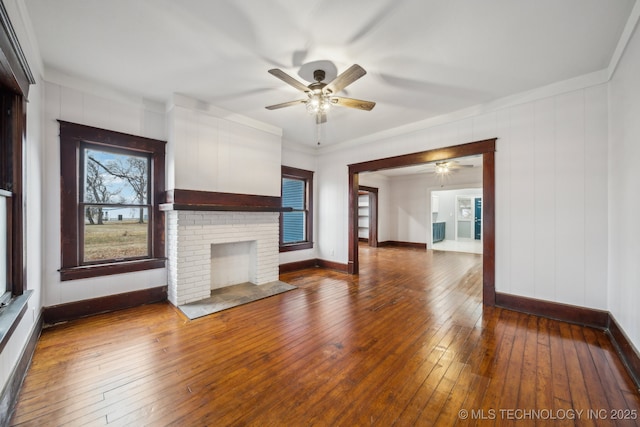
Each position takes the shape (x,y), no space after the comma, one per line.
(363,216)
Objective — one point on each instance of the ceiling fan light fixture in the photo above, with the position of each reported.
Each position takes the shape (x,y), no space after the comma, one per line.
(318,103)
(442,168)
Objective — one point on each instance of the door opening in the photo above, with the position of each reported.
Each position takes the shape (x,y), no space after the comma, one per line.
(368,215)
(485,147)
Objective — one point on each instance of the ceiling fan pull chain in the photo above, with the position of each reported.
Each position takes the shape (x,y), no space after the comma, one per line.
(318,131)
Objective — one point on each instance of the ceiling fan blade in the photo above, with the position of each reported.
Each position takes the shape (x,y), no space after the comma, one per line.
(454,164)
(286,104)
(288,79)
(349,76)
(353,103)
(321,118)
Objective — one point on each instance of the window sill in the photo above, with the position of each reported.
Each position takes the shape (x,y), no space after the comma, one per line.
(88,271)
(296,246)
(10,316)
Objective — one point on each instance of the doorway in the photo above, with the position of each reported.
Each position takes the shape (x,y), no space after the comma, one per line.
(484,147)
(456,224)
(368,215)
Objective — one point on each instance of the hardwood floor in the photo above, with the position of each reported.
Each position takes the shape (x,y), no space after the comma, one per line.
(408,342)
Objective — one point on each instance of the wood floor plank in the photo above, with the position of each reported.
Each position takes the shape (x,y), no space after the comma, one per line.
(407,342)
(544,375)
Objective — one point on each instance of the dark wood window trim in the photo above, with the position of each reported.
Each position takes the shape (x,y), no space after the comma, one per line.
(307,176)
(15,80)
(13,130)
(72,136)
(485,147)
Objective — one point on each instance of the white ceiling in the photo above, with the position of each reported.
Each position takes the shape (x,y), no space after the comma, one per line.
(424,57)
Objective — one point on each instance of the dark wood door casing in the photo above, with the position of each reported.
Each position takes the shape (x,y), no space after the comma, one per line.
(487,149)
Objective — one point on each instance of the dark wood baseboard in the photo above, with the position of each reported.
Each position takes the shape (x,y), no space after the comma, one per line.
(314,262)
(399,244)
(78,309)
(332,265)
(628,353)
(599,319)
(298,265)
(554,310)
(10,393)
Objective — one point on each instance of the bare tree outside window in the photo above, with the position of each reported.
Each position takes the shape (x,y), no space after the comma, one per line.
(116,205)
(133,170)
(96,192)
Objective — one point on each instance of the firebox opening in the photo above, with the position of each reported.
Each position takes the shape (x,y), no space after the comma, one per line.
(233,263)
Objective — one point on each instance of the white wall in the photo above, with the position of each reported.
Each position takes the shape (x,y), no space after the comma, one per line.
(209,151)
(551,191)
(35,161)
(108,111)
(410,207)
(624,177)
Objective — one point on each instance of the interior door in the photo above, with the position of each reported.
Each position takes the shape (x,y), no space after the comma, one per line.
(478,218)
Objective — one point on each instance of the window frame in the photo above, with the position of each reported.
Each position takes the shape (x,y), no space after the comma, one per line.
(82,205)
(73,138)
(307,177)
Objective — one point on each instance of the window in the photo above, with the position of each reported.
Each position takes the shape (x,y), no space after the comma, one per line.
(15,79)
(115,203)
(12,129)
(296,224)
(112,184)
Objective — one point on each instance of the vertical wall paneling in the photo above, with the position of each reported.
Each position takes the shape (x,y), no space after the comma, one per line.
(208,149)
(484,126)
(465,131)
(596,203)
(220,155)
(520,198)
(570,198)
(544,198)
(624,176)
(503,207)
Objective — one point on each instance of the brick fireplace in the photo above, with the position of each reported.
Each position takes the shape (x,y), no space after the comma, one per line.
(217,239)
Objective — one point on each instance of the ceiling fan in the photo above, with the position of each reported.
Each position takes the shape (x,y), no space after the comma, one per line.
(320,96)
(444,167)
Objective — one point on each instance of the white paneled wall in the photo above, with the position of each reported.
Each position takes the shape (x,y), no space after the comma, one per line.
(553,244)
(551,192)
(624,170)
(544,208)
(210,153)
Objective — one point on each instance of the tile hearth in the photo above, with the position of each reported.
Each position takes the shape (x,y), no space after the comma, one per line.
(232,296)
